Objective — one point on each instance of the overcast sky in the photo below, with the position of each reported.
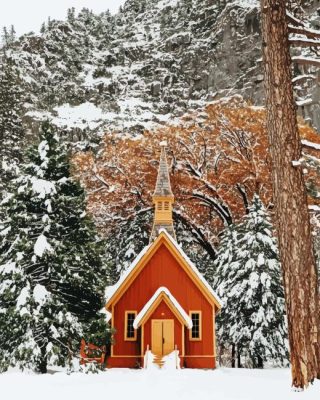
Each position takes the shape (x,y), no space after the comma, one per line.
(28,15)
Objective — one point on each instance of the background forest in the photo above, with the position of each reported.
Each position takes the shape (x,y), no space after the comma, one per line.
(112,87)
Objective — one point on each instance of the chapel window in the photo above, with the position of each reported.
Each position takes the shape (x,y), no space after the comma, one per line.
(130,332)
(196,331)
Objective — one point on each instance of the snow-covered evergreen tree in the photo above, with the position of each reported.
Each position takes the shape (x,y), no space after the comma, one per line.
(51,271)
(128,239)
(11,130)
(248,280)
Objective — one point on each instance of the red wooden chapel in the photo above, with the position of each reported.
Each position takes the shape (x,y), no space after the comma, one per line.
(162,304)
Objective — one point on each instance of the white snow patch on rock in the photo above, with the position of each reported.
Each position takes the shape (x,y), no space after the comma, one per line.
(81,116)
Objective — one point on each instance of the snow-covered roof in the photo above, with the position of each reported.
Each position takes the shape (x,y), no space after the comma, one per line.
(112,290)
(162,291)
(192,265)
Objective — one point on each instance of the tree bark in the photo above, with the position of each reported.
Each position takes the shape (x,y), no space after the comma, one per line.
(259,362)
(233,356)
(290,198)
(43,361)
(239,357)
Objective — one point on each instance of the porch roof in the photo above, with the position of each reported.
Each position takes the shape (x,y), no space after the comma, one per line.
(165,294)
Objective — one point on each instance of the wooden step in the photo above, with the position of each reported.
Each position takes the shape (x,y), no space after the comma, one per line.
(158,360)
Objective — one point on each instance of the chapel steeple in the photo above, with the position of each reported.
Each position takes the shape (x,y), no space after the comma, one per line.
(163,198)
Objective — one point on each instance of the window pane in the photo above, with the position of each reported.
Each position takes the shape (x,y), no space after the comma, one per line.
(130,329)
(195,333)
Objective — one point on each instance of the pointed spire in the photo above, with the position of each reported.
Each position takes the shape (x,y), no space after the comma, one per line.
(163,198)
(163,186)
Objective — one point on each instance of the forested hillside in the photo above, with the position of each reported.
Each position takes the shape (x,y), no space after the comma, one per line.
(84,105)
(146,65)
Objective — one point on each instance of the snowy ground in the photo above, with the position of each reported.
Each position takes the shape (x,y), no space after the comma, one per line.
(221,384)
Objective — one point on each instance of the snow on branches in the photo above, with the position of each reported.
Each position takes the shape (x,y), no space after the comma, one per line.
(247,277)
(51,271)
(218,159)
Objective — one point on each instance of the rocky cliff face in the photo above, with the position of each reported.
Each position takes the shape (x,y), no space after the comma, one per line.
(145,66)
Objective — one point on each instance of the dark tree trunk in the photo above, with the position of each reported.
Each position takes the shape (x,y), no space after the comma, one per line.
(239,358)
(41,338)
(42,366)
(259,362)
(233,356)
(290,198)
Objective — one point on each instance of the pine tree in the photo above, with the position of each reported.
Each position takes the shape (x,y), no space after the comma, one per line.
(11,129)
(51,271)
(249,283)
(126,242)
(8,37)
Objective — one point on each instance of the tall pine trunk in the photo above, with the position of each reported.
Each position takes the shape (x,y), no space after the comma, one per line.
(290,198)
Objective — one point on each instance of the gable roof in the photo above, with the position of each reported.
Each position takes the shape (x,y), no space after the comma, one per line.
(113,293)
(162,294)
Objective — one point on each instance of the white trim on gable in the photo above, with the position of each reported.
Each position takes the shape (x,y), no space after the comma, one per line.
(173,301)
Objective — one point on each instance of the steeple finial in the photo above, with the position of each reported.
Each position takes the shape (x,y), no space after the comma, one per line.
(163,198)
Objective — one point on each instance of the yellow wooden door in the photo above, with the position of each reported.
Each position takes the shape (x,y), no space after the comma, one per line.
(162,336)
(168,336)
(156,338)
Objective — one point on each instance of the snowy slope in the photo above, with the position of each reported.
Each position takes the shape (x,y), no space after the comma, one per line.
(222,384)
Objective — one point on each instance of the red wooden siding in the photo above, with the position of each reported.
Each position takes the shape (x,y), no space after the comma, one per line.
(163,270)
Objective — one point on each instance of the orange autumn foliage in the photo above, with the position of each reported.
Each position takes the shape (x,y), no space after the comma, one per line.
(218,159)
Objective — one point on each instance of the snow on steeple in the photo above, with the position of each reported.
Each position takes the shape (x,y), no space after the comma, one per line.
(163,198)
(163,187)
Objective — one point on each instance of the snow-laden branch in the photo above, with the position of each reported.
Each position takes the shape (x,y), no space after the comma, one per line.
(304,42)
(220,208)
(99,177)
(304,102)
(304,77)
(293,20)
(314,207)
(306,61)
(196,231)
(123,220)
(313,145)
(309,33)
